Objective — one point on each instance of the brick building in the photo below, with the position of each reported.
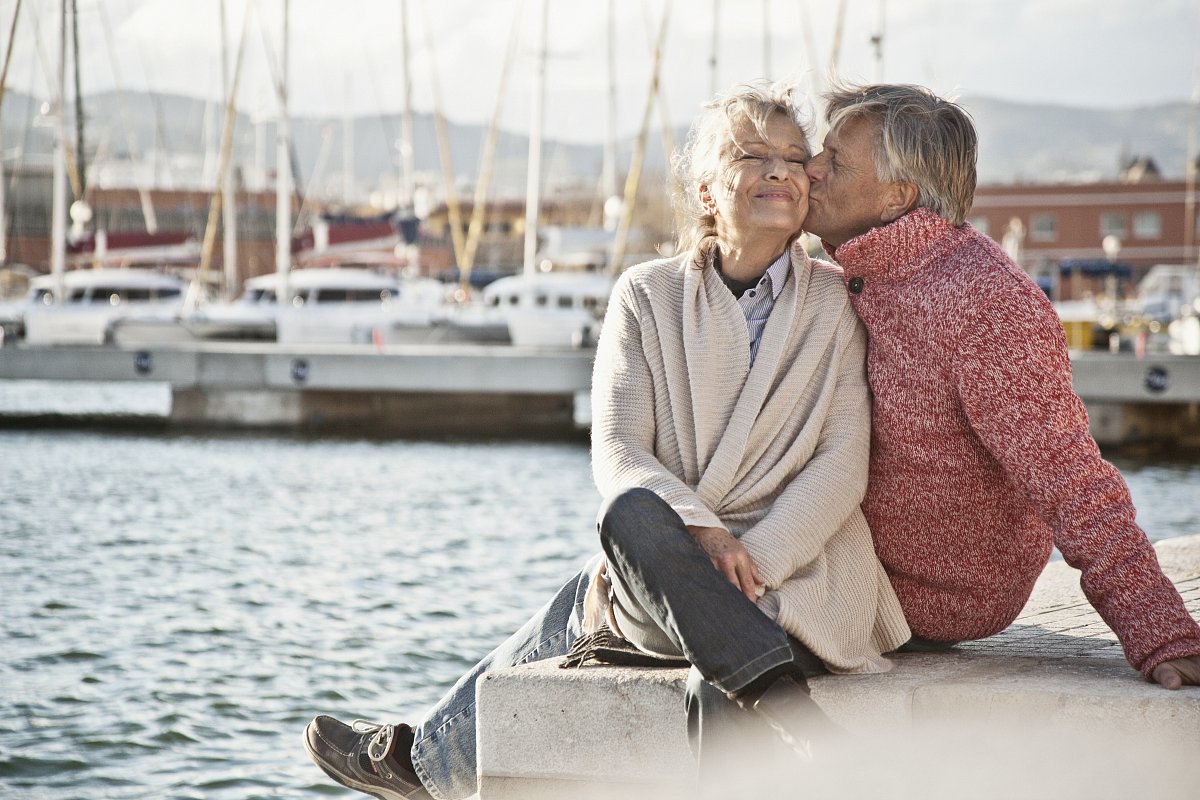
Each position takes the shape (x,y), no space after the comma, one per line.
(1059,231)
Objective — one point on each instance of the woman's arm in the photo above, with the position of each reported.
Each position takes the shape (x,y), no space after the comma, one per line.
(624,408)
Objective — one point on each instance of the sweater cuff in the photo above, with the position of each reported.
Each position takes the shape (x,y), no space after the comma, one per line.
(1169,652)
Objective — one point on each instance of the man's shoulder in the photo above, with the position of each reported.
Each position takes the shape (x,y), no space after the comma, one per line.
(975,262)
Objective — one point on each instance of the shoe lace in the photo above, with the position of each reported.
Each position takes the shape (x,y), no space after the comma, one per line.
(380,744)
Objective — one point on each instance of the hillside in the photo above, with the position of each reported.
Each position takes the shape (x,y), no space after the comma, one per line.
(1018,142)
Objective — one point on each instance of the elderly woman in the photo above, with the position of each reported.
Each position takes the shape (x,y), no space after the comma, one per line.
(730,439)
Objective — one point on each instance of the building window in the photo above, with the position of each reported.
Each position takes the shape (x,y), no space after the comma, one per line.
(1043,228)
(1112,223)
(1147,225)
(980,224)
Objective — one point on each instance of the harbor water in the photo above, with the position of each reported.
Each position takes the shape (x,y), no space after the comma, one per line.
(176,608)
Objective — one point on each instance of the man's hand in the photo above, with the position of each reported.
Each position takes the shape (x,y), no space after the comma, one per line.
(1173,674)
(730,558)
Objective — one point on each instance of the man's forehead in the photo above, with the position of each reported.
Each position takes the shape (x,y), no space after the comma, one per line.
(851,127)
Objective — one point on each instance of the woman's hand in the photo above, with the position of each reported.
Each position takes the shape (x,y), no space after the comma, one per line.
(730,558)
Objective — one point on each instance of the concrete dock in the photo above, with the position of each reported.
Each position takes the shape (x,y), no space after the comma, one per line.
(1049,708)
(394,390)
(499,390)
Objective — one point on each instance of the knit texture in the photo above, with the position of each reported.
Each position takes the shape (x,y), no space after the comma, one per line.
(775,452)
(981,457)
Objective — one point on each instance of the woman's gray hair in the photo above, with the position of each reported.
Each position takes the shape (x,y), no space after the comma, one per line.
(923,139)
(709,140)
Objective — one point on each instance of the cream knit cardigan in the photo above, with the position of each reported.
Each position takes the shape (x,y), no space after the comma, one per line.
(776,452)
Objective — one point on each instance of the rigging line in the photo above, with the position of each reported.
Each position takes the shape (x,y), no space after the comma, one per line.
(147,203)
(633,179)
(8,51)
(214,208)
(838,29)
(305,211)
(388,139)
(488,156)
(668,131)
(452,208)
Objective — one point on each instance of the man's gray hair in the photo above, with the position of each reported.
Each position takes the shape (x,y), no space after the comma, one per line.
(709,140)
(923,139)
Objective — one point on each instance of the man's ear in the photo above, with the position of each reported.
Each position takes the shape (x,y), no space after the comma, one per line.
(901,198)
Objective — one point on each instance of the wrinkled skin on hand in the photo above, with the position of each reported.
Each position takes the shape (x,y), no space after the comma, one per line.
(1176,673)
(730,558)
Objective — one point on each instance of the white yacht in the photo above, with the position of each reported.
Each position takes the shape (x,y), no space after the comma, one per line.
(94,301)
(329,305)
(343,305)
(552,309)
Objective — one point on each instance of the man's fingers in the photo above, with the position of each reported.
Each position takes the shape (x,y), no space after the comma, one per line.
(1175,673)
(1167,676)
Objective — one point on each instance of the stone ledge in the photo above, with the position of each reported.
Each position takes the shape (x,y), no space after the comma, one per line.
(1047,708)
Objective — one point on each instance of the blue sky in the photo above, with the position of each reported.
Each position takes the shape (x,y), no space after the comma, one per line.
(345,54)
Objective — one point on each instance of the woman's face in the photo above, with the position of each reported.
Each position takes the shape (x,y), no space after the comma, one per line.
(760,188)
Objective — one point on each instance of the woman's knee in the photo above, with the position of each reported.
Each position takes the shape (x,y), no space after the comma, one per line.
(632,510)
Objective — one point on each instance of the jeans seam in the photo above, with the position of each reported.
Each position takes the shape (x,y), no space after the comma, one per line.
(780,655)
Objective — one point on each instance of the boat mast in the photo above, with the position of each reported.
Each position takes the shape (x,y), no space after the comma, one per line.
(80,181)
(713,86)
(609,168)
(283,175)
(768,68)
(1191,165)
(58,214)
(534,171)
(228,204)
(214,208)
(12,35)
(877,40)
(407,158)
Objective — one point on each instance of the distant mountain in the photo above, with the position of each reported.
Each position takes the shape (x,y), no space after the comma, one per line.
(1018,142)
(1054,144)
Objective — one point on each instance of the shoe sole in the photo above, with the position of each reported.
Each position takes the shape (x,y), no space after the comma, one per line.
(348,781)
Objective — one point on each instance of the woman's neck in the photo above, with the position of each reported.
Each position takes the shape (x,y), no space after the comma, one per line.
(745,262)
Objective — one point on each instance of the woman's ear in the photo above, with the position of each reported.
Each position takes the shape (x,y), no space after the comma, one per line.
(901,198)
(706,200)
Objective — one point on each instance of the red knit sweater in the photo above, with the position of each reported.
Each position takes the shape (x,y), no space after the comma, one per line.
(981,457)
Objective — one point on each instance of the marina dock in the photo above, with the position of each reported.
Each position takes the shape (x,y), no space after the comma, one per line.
(469,390)
(498,390)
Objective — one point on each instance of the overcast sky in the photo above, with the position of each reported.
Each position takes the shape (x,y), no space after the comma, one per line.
(345,55)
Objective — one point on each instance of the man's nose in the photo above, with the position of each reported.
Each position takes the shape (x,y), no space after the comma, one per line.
(815,166)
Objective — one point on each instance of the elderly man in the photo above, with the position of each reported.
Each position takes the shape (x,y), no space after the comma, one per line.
(981,458)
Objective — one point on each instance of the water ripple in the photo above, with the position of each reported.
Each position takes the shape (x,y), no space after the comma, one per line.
(175,609)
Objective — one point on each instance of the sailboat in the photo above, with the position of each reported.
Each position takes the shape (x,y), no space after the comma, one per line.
(547,308)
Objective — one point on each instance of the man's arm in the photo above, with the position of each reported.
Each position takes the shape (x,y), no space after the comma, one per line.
(1014,383)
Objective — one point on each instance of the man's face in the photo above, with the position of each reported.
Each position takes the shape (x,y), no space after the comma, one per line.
(846,199)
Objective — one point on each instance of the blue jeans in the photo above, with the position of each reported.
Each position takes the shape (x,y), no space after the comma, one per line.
(443,751)
(726,638)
